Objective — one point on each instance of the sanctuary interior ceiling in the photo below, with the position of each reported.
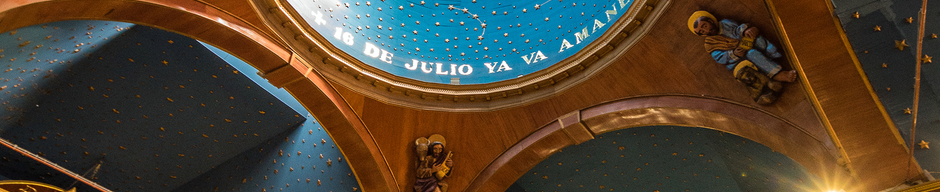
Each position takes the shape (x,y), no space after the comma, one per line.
(531,95)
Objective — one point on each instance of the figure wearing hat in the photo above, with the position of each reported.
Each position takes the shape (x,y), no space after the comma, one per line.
(742,49)
(433,164)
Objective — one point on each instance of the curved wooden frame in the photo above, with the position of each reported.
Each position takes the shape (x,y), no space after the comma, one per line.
(818,155)
(232,34)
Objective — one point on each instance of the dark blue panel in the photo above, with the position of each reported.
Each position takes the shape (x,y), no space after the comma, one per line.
(157,108)
(666,159)
(284,163)
(16,166)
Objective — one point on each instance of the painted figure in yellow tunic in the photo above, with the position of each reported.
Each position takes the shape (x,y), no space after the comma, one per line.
(742,49)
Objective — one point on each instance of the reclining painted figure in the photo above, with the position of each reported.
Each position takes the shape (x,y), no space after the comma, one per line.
(742,49)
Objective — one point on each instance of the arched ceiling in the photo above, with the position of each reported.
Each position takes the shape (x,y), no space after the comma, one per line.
(832,99)
(666,158)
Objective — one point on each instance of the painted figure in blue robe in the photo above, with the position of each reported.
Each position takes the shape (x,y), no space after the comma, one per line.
(742,49)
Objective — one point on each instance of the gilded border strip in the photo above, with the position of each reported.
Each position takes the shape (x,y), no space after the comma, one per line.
(27,182)
(923,187)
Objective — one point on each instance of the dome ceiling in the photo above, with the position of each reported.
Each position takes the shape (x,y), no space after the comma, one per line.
(462,41)
(459,55)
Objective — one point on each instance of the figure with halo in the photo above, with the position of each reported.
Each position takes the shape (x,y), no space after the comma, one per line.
(741,49)
(433,165)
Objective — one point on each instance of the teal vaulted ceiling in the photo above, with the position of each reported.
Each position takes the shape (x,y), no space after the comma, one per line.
(461,42)
(303,159)
(155,109)
(891,70)
(666,158)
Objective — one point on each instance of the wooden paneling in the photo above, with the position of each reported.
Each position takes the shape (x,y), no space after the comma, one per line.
(242,10)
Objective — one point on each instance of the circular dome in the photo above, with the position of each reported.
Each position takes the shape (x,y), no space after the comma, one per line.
(458,55)
(460,42)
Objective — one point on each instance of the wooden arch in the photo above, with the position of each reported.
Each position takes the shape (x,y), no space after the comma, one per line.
(816,154)
(228,32)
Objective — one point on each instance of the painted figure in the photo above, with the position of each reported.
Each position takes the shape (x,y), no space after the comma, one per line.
(742,49)
(434,164)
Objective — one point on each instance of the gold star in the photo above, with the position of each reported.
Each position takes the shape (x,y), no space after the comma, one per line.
(170,41)
(855,15)
(900,44)
(909,20)
(924,144)
(877,28)
(907,111)
(926,58)
(164,62)
(884,65)
(933,36)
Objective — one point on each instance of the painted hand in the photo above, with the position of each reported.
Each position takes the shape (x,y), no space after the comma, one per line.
(739,52)
(752,32)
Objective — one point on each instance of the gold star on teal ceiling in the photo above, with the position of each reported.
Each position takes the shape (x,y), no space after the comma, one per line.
(900,45)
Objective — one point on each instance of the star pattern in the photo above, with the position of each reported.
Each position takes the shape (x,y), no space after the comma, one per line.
(156,127)
(645,159)
(460,31)
(896,82)
(924,144)
(900,45)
